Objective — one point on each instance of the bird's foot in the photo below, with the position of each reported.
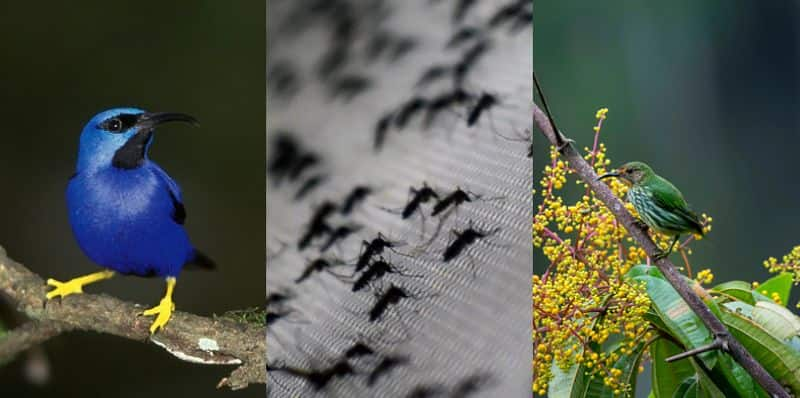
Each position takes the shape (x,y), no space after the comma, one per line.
(661,255)
(163,312)
(74,286)
(641,224)
(64,289)
(667,252)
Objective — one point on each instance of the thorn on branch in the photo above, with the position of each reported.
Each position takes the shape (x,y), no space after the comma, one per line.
(564,142)
(717,344)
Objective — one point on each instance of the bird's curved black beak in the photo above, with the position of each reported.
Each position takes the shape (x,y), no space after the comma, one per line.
(132,154)
(612,173)
(149,120)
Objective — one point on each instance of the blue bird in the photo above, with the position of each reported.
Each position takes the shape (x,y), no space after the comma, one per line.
(126,213)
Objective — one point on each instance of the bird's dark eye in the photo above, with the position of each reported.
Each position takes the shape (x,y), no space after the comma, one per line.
(119,123)
(113,125)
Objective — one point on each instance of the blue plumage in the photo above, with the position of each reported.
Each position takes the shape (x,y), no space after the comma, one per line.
(124,220)
(127,213)
(128,219)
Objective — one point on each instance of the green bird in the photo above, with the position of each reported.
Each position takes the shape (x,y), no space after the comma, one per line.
(660,205)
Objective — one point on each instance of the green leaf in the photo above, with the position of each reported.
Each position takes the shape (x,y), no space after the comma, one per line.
(776,319)
(573,383)
(794,343)
(666,377)
(687,388)
(706,386)
(731,378)
(738,289)
(643,269)
(655,319)
(781,284)
(740,308)
(778,358)
(681,322)
(567,384)
(627,363)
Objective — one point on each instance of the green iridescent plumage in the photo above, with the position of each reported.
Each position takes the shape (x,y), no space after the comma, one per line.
(660,205)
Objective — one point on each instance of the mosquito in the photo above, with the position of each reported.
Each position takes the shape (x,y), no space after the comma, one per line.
(462,35)
(354,198)
(318,265)
(381,130)
(375,271)
(385,366)
(373,248)
(464,239)
(309,185)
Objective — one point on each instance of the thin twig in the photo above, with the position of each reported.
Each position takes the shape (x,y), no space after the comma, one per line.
(603,192)
(188,337)
(714,345)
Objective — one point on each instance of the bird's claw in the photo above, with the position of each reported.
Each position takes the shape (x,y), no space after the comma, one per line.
(565,141)
(75,285)
(64,289)
(163,312)
(641,224)
(661,255)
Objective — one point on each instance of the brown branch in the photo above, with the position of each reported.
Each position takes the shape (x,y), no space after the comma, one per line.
(718,330)
(26,336)
(188,337)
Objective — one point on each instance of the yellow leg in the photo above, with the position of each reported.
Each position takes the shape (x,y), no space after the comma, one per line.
(163,310)
(75,285)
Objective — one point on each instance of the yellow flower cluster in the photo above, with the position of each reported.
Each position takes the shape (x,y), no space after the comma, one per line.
(789,263)
(775,296)
(600,115)
(704,277)
(580,298)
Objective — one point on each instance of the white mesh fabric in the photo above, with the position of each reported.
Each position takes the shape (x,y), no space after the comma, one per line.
(473,314)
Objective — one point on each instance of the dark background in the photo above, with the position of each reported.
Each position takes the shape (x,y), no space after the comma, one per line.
(61,64)
(705,92)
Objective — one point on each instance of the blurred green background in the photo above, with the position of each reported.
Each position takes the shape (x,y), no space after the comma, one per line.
(63,62)
(706,92)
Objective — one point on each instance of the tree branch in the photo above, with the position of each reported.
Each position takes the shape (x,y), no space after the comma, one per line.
(188,337)
(26,336)
(718,330)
